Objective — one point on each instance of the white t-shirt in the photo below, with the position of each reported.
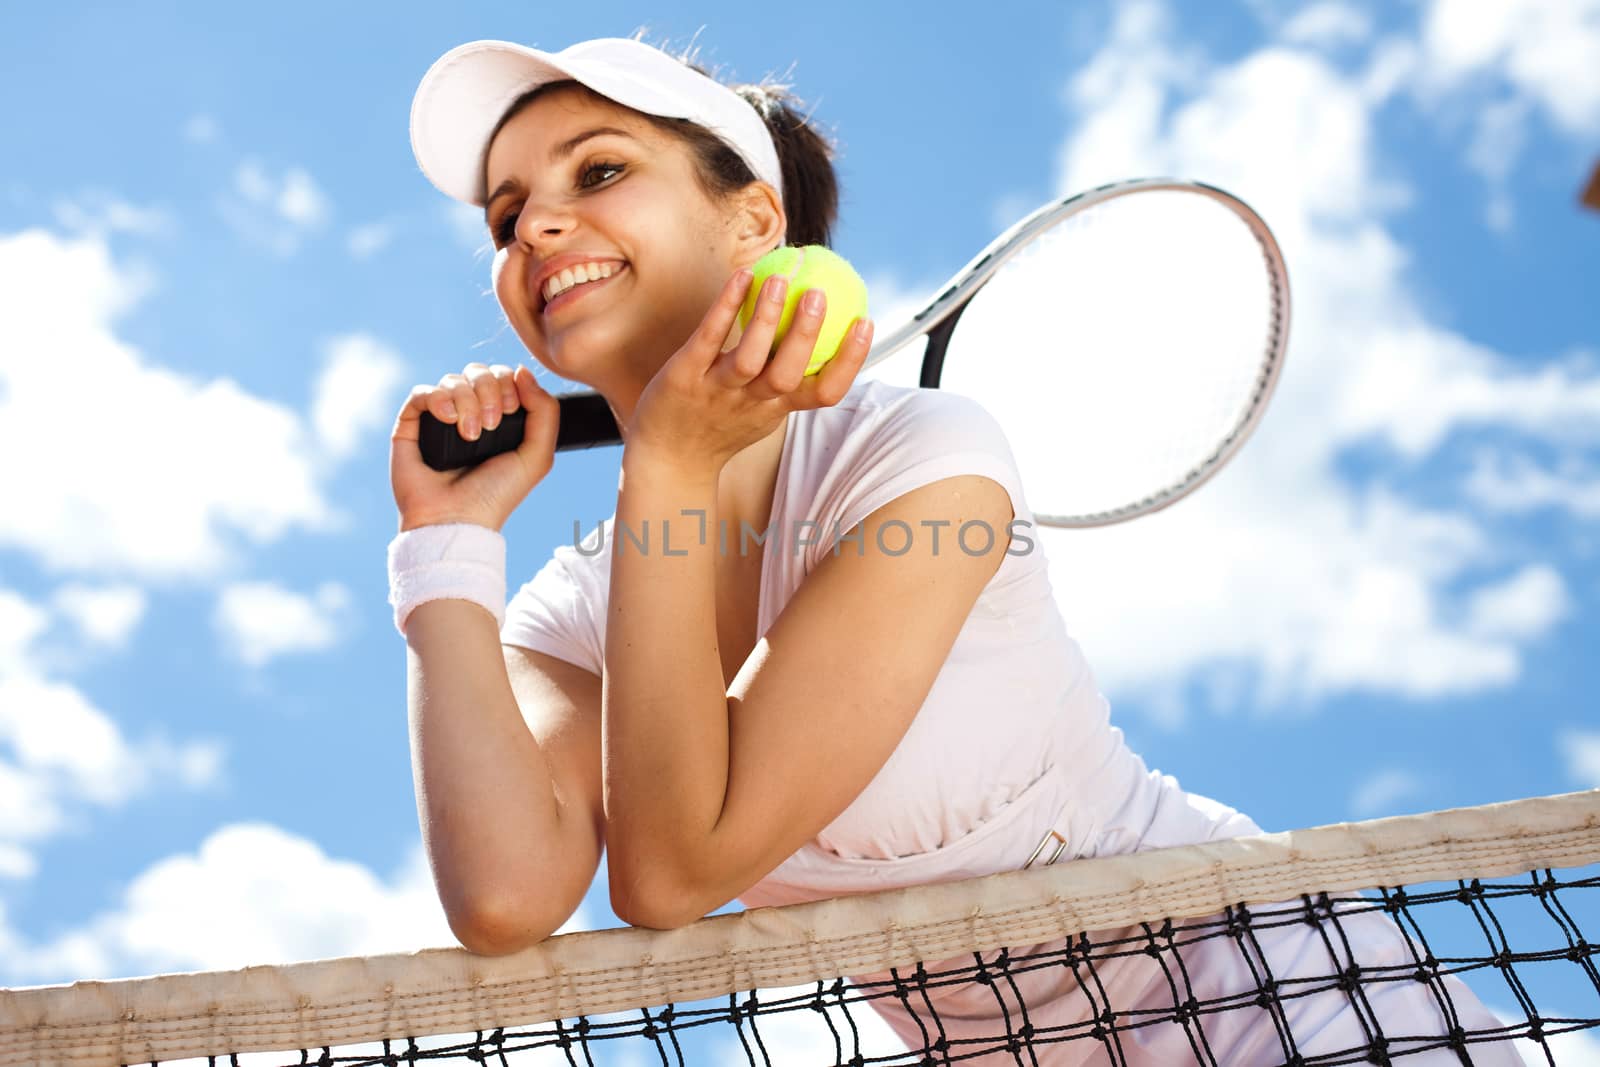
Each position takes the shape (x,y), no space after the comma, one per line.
(1012,733)
(1013,740)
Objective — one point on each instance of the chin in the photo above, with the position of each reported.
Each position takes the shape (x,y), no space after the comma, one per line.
(581,355)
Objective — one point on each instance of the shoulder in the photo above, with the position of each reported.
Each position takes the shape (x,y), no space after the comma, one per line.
(561,609)
(573,567)
(908,429)
(883,441)
(898,414)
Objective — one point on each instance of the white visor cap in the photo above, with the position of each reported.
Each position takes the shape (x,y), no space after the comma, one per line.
(463,95)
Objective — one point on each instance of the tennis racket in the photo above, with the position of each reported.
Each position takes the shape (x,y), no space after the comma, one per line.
(1128,338)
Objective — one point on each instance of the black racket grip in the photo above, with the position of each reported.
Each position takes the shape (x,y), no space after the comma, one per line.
(586,422)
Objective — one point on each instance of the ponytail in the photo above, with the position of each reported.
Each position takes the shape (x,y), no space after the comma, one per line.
(810,184)
(805,157)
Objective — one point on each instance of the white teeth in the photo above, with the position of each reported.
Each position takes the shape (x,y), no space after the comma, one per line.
(583,272)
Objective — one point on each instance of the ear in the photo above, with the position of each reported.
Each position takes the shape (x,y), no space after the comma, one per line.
(759,223)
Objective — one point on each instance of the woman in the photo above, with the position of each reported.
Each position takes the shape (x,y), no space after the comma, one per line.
(872,688)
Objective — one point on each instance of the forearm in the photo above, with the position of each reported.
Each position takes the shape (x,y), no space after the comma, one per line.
(488,811)
(665,706)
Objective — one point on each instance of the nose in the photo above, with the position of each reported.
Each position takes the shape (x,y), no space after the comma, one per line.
(542,219)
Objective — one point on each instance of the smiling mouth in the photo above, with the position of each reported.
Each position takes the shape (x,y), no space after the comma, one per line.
(575,292)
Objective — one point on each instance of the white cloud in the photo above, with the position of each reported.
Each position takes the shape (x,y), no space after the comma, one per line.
(891,304)
(16,862)
(359,375)
(21,623)
(1543,50)
(1279,566)
(1575,1048)
(1436,382)
(276,213)
(168,473)
(164,475)
(251,894)
(1518,484)
(60,752)
(300,201)
(1391,66)
(1379,793)
(99,214)
(465,223)
(201,129)
(1497,143)
(74,747)
(1524,606)
(1327,24)
(370,239)
(1494,63)
(259,621)
(104,615)
(1581,750)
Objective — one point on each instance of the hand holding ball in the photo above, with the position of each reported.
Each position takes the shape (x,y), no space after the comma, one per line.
(811,267)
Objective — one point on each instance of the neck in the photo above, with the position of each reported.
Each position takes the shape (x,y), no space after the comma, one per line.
(748,483)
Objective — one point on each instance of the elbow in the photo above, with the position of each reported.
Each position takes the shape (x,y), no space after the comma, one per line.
(654,914)
(652,903)
(486,929)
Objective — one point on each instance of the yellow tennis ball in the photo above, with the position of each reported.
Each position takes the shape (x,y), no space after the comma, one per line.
(811,267)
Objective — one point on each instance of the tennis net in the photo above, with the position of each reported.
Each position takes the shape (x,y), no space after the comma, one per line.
(1352,943)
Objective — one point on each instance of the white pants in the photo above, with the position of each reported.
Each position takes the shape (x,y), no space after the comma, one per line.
(1243,1036)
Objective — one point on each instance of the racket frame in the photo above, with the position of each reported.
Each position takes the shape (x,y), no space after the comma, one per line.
(939,317)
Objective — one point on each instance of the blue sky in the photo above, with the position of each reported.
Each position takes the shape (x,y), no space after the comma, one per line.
(221,272)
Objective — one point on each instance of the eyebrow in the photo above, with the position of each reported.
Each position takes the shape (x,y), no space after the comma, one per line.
(558,153)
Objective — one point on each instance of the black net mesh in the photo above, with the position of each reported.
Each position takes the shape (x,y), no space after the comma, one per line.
(1521,945)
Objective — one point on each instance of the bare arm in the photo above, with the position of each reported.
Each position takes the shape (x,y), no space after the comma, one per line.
(508,806)
(505,770)
(665,709)
(706,788)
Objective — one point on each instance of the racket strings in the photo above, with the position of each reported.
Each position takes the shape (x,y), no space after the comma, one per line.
(1129,349)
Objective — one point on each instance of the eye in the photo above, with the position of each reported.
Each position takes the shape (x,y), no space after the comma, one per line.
(505,229)
(583,178)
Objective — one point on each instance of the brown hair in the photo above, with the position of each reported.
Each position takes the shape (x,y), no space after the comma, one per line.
(805,157)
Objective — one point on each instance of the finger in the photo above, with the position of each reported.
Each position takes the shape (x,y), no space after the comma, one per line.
(705,346)
(833,381)
(787,370)
(431,399)
(487,388)
(746,360)
(503,374)
(530,394)
(735,332)
(538,447)
(447,392)
(407,424)
(469,417)
(539,402)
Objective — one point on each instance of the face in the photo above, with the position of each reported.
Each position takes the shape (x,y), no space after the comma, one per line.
(627,199)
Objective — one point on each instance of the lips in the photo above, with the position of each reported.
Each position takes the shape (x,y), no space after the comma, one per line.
(554,265)
(579,291)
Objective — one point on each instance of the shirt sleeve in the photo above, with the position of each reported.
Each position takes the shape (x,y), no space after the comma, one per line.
(552,613)
(926,436)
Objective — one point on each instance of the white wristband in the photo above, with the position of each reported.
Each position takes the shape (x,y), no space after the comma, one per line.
(455,561)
